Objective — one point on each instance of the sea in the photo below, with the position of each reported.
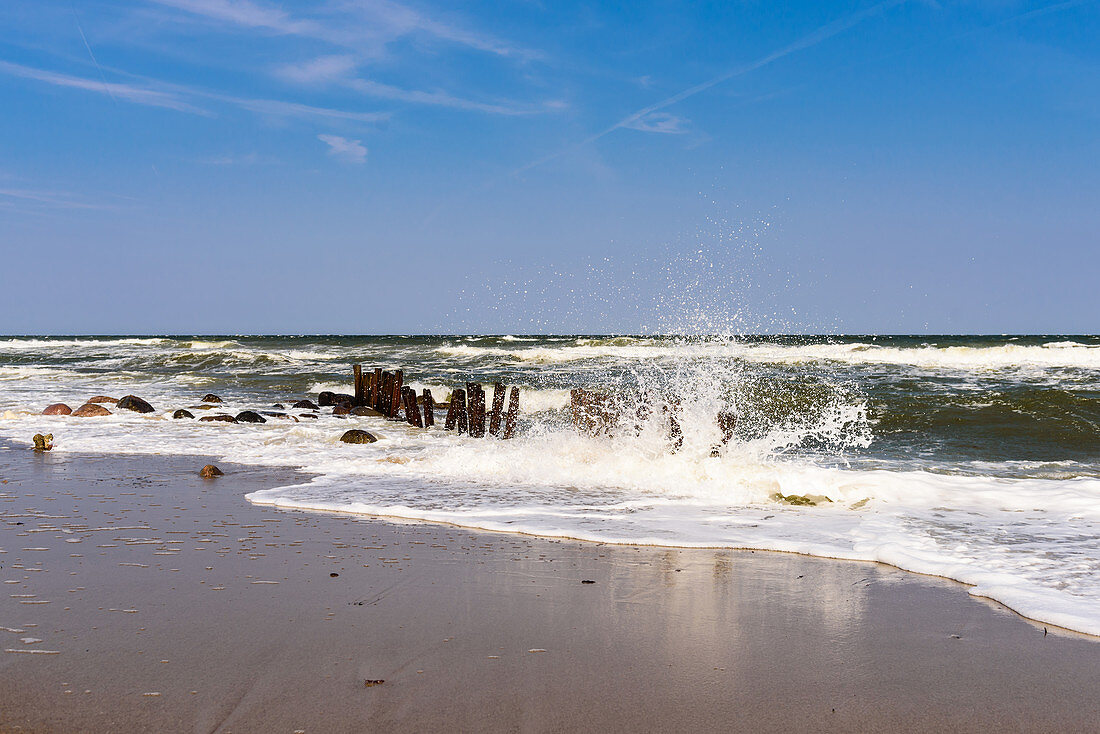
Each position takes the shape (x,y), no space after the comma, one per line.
(975,458)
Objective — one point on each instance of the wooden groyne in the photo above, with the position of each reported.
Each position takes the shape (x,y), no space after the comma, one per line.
(384,393)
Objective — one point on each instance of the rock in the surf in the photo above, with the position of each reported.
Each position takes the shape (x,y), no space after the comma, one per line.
(211,398)
(306,404)
(57,409)
(310,416)
(342,409)
(91,410)
(133,402)
(250,416)
(210,471)
(364,410)
(326,398)
(181,413)
(357,436)
(103,399)
(43,443)
(219,418)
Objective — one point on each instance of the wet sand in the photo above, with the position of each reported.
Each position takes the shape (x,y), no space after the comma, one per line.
(152,600)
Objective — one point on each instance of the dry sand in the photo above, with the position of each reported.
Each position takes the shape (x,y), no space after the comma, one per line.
(154,600)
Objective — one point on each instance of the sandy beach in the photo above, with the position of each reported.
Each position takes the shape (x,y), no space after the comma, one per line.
(139,597)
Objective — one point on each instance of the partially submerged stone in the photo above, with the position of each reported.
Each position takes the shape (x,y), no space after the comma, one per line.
(357,436)
(306,404)
(363,410)
(133,402)
(57,409)
(250,416)
(181,413)
(43,443)
(91,410)
(341,410)
(801,500)
(210,471)
(211,398)
(219,418)
(103,399)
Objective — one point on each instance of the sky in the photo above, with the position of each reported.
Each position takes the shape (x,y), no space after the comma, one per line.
(525,166)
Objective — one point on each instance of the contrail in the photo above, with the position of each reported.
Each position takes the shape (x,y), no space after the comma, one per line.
(823,33)
(84,38)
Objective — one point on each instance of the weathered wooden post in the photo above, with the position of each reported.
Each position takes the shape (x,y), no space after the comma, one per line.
(412,410)
(512,414)
(429,408)
(458,399)
(593,411)
(376,388)
(452,413)
(385,390)
(398,380)
(727,424)
(675,433)
(477,410)
(357,371)
(498,408)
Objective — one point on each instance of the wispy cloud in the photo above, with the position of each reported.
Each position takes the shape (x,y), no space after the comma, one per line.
(126,92)
(278,108)
(175,96)
(248,14)
(361,23)
(352,151)
(52,199)
(437,98)
(660,122)
(343,70)
(318,70)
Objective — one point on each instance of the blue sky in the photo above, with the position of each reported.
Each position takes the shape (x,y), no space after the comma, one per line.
(366,166)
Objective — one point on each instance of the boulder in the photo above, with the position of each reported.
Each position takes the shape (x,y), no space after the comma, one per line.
(342,409)
(91,410)
(279,406)
(181,413)
(57,409)
(250,416)
(364,410)
(211,398)
(43,443)
(305,404)
(309,416)
(133,402)
(219,418)
(210,471)
(342,399)
(326,398)
(102,399)
(357,436)
(279,416)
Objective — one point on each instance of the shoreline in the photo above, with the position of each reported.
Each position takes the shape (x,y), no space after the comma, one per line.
(302,476)
(227,611)
(401,519)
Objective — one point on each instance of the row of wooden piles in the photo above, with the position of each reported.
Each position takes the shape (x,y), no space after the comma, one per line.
(386,393)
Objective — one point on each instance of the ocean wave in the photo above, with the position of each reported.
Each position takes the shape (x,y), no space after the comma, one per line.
(1006,356)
